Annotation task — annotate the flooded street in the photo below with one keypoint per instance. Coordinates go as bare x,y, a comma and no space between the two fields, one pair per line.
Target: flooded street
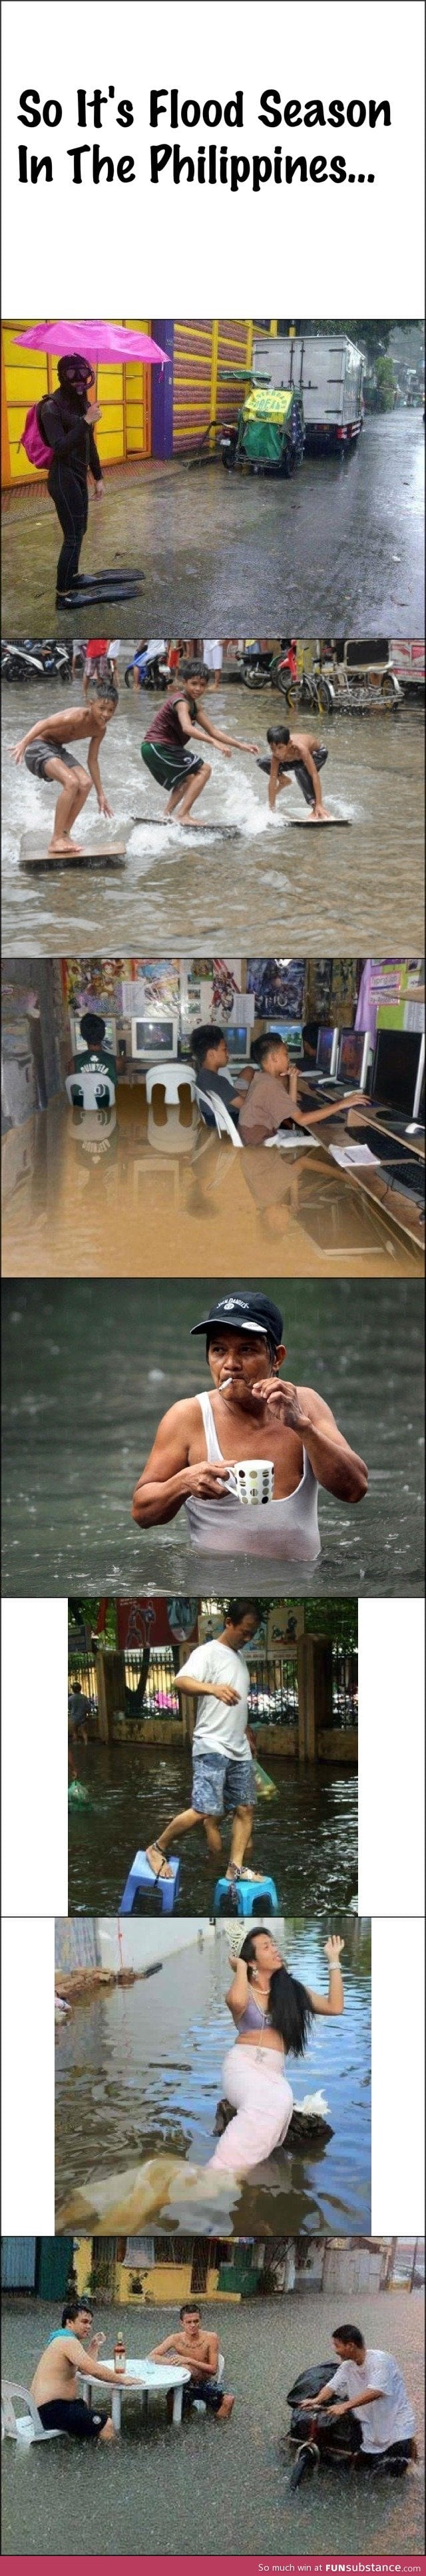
90,1367
50,2496
307,1839
139,2072
328,893
337,551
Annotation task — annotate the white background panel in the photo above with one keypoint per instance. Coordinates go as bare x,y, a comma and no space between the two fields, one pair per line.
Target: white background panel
357,248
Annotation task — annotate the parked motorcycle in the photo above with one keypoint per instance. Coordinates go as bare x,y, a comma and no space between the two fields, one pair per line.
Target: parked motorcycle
153,674
262,670
42,659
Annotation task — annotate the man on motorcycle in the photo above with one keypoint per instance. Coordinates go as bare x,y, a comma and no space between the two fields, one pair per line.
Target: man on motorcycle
302,753
372,2382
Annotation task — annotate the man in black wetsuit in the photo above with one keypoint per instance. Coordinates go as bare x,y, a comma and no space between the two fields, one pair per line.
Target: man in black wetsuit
67,419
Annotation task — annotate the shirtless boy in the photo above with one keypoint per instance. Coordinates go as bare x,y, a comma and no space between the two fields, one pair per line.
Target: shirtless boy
255,1415
46,752
302,753
165,748
200,2352
71,2353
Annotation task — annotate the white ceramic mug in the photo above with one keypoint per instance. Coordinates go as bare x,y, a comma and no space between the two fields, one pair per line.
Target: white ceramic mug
253,1480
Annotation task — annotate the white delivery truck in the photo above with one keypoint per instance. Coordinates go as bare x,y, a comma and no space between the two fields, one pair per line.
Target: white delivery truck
327,372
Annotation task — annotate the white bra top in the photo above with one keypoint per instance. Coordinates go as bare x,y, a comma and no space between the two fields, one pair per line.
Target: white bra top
287,1528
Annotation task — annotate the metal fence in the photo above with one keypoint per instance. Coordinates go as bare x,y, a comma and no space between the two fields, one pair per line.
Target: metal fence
344,1687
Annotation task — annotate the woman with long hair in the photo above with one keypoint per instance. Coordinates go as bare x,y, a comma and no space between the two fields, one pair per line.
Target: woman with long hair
273,2013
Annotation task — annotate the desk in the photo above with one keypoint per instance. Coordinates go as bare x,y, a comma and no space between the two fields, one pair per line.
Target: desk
144,2375
400,1210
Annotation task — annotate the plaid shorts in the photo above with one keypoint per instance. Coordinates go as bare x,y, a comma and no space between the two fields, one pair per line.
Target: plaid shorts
220,1784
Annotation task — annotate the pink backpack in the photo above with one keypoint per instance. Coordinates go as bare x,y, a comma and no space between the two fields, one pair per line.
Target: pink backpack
31,439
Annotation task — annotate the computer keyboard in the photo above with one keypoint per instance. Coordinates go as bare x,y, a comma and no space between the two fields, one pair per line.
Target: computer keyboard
386,1147
408,1175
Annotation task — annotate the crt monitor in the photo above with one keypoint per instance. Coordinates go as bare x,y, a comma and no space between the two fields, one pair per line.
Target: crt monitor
327,1045
353,1057
154,1038
291,1033
110,1039
238,1044
397,1065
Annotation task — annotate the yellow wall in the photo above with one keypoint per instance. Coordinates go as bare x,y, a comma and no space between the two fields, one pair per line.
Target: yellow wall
162,2284
125,394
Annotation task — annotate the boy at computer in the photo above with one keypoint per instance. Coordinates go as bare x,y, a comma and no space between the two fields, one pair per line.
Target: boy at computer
273,1097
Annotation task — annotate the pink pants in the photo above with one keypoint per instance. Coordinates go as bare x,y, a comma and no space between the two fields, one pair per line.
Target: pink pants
253,2079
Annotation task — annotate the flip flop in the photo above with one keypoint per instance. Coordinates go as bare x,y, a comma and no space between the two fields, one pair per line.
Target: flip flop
158,1873
251,1875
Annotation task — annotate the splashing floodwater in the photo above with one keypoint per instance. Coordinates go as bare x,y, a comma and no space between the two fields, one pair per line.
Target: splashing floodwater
324,893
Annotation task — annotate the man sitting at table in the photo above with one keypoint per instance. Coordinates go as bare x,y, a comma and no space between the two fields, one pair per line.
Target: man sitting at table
200,2353
72,2353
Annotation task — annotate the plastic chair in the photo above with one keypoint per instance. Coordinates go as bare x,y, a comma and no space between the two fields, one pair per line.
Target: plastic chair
172,1138
172,1077
199,2403
209,1100
23,2428
86,1090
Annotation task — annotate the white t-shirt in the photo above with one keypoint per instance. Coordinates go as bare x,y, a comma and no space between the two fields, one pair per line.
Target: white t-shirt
114,649
392,2419
219,1728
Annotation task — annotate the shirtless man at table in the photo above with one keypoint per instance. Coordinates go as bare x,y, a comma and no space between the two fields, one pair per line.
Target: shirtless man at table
72,2353
200,2353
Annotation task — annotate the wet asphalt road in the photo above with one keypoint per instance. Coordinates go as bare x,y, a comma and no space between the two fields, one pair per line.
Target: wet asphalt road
337,551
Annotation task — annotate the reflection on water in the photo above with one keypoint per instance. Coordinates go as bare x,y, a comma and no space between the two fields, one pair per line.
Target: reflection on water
136,1192
335,893
89,1367
266,2341
306,1839
138,2071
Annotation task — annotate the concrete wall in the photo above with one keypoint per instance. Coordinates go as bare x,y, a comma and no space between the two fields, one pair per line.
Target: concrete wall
124,1943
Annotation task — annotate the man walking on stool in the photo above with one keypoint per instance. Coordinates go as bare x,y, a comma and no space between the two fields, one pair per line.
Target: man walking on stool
223,1777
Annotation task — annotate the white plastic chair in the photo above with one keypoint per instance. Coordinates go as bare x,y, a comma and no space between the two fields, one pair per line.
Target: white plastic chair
173,1138
23,2428
97,1088
173,1077
199,2403
222,1117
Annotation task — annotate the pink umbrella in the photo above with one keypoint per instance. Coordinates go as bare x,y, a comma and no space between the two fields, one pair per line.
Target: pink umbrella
97,341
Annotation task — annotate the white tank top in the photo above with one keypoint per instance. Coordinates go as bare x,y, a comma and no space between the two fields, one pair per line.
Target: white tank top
287,1528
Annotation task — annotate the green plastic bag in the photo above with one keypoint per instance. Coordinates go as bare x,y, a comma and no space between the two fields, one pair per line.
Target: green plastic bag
267,1787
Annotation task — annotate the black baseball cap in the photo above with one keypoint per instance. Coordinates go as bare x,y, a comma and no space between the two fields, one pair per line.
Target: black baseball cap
251,1314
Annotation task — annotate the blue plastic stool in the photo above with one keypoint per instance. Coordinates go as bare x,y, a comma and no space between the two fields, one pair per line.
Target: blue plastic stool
245,1896
144,1893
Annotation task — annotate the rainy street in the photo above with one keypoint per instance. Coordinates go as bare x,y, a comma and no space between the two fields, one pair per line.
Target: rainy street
337,551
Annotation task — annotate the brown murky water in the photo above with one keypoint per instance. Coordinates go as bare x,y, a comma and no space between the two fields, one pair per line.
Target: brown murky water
138,1193
316,892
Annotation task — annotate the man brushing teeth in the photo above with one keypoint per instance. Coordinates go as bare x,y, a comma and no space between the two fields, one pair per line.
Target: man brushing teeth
252,1414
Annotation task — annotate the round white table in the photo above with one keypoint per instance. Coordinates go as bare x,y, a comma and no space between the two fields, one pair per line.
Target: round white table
144,2375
